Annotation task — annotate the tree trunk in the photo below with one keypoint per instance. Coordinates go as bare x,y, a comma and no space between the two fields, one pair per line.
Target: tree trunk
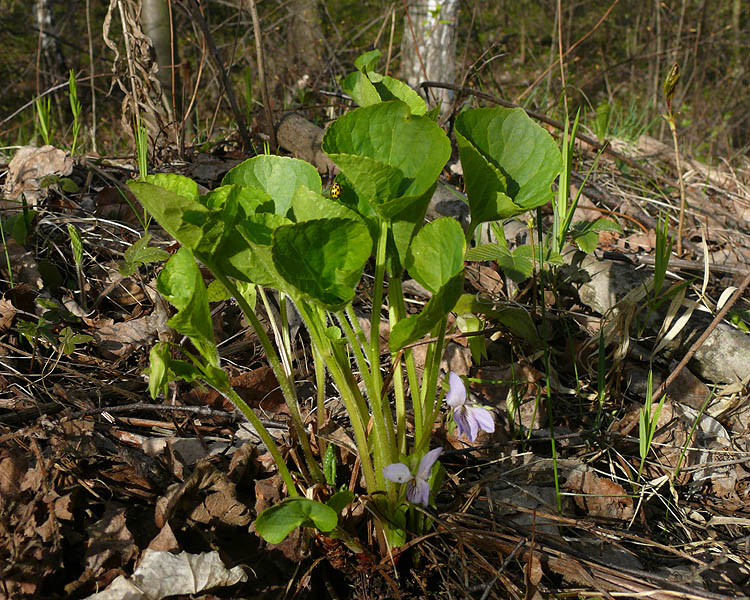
305,37
156,25
430,35
49,53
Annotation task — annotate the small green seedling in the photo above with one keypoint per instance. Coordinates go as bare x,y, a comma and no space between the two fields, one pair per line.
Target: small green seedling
647,422
75,109
44,118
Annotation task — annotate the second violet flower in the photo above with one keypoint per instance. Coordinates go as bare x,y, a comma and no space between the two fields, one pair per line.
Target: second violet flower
469,417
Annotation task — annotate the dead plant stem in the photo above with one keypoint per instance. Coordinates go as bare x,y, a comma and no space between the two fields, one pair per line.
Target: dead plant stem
91,81
673,129
195,12
573,47
262,74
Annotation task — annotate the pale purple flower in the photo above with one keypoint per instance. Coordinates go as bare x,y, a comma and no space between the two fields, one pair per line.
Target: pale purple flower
469,417
417,488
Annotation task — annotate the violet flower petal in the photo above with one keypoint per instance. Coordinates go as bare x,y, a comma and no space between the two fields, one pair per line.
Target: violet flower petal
427,462
397,472
472,423
460,416
418,492
484,418
456,395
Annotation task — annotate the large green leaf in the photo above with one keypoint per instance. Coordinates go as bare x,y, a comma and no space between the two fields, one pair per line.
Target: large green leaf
416,326
250,199
392,160
308,206
181,216
367,87
277,522
278,176
509,162
181,283
179,184
437,253
323,259
392,89
388,133
249,257
360,88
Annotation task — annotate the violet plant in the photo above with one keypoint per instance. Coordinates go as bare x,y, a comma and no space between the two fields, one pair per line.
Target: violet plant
269,226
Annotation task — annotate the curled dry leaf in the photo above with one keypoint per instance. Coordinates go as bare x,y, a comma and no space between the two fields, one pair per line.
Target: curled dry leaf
120,340
110,543
28,167
162,574
207,496
599,496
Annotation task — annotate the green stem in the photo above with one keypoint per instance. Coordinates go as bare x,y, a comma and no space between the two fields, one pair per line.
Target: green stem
377,303
398,308
265,437
320,383
285,382
383,442
353,400
429,382
548,388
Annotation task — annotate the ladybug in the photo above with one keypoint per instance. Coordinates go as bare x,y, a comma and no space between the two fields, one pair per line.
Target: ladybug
335,190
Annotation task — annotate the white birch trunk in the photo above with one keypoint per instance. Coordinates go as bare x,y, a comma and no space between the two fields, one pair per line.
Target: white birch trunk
434,24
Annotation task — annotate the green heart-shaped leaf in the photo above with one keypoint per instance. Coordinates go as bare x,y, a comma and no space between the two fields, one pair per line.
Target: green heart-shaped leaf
436,253
170,209
181,283
278,176
523,157
179,184
322,259
308,206
277,522
250,199
367,87
392,159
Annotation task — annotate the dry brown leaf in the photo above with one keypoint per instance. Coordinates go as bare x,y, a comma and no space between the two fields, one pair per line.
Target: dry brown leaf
7,313
534,570
117,204
64,507
110,543
258,388
207,496
23,263
490,281
28,167
13,465
165,541
599,496
163,574
638,242
223,507
120,340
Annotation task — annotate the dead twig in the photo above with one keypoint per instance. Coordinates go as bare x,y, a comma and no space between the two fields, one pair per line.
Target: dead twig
262,75
194,10
703,337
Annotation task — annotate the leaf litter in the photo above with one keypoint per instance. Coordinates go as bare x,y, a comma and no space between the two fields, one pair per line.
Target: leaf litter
160,502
